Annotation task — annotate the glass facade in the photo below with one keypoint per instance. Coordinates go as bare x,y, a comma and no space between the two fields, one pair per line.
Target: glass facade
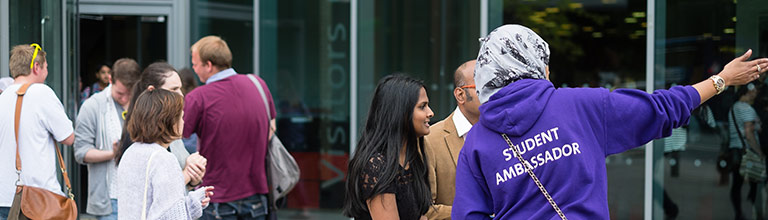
695,158
39,22
305,51
230,20
425,39
304,57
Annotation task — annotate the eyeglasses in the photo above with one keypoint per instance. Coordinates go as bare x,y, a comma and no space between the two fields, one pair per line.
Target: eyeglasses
37,48
467,86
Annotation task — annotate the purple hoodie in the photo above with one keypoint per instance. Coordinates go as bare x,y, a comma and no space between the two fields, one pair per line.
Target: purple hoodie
565,135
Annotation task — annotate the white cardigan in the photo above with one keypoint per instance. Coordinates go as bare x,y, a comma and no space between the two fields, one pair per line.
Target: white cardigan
166,197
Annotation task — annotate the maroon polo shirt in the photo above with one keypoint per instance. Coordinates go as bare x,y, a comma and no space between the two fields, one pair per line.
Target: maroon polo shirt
231,123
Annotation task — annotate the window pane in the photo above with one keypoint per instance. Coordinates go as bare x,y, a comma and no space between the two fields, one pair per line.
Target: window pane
230,20
304,57
424,39
695,39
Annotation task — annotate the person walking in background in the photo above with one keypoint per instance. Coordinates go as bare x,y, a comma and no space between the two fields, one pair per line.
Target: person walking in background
538,152
151,183
162,75
446,138
230,118
744,124
388,174
188,83
98,128
103,79
42,122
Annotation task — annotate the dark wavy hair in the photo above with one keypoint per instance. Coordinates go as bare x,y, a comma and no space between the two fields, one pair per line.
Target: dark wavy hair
154,75
389,126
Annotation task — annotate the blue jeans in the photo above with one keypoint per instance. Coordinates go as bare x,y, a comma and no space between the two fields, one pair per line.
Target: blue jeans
112,216
4,212
252,208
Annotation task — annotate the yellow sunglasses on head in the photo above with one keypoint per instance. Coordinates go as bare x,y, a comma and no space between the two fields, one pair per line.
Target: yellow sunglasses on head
37,48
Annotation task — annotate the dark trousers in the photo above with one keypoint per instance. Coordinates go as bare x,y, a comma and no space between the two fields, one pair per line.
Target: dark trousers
251,208
738,180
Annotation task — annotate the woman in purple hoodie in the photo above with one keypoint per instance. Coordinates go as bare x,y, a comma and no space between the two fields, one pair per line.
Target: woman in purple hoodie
539,152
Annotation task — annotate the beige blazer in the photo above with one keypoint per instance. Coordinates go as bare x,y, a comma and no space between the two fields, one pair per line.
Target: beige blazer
442,146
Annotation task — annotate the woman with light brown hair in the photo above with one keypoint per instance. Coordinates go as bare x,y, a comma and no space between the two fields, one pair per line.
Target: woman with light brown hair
151,182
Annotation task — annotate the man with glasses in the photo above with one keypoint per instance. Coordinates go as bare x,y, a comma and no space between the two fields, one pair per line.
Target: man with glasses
446,138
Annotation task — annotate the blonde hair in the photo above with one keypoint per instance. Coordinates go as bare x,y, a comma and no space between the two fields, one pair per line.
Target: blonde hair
21,57
214,49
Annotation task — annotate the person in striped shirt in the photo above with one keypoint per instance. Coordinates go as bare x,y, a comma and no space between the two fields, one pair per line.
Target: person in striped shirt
745,117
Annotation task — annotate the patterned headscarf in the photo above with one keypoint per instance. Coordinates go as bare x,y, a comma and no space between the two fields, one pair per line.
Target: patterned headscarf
508,54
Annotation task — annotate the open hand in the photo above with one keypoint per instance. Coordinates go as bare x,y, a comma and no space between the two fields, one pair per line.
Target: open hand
740,71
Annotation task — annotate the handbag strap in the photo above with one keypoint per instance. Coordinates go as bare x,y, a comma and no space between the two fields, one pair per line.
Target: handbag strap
146,187
16,120
263,96
738,130
267,159
533,176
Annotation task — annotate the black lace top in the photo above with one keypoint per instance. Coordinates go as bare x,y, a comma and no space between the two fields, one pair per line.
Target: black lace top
402,187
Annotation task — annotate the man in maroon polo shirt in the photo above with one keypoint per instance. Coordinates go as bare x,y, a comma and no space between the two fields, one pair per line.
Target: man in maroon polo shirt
229,117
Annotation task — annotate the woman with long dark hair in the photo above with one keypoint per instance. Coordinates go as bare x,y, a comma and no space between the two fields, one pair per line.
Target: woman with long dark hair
387,174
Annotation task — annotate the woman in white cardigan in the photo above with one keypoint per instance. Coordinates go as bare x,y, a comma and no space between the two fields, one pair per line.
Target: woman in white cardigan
150,182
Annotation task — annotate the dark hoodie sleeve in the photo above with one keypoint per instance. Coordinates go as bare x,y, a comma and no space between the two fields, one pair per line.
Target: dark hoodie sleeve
472,200
634,117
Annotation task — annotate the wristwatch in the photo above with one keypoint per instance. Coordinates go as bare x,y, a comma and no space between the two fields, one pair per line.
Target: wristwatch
719,83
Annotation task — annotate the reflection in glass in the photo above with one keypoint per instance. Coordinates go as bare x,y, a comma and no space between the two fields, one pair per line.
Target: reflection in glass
694,41
304,57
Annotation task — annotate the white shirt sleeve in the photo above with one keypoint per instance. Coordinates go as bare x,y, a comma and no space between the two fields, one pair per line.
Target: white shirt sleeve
52,115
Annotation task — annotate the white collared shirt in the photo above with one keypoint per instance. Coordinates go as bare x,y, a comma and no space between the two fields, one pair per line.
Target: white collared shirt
461,122
221,75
